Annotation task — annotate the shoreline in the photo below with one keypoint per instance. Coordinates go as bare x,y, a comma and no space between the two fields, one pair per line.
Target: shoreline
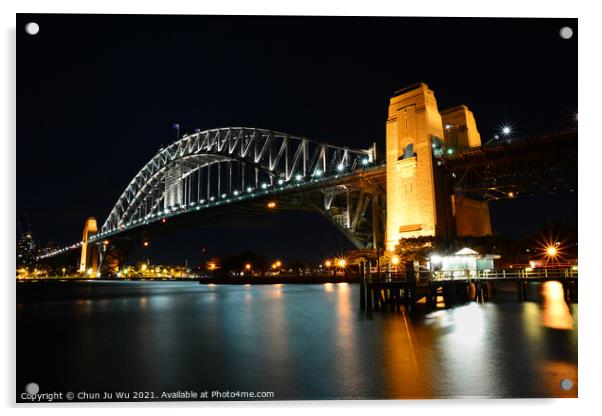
207,281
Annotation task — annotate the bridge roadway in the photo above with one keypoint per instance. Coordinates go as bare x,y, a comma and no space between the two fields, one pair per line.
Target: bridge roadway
392,290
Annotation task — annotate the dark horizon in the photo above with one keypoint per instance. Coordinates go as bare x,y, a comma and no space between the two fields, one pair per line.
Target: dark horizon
97,96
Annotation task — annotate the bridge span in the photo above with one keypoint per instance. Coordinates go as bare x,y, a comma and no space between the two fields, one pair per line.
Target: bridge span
436,179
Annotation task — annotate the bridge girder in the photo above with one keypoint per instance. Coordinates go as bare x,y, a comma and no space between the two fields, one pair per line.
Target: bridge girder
212,164
526,167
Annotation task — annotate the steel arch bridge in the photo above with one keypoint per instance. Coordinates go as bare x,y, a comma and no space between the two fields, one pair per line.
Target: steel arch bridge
216,174
232,173
222,164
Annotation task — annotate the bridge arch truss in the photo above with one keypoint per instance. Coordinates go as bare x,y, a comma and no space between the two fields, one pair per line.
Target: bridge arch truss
223,163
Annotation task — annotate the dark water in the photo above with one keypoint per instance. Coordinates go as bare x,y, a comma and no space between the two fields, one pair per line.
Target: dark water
298,341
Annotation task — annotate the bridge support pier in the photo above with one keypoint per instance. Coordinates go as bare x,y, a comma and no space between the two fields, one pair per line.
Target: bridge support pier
113,256
570,291
431,296
88,264
483,291
363,286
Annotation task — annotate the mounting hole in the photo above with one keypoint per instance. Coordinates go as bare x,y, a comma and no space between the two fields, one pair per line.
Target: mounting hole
32,28
32,388
566,32
566,384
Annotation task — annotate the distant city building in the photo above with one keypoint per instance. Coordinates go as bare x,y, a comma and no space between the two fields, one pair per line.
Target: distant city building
46,248
26,246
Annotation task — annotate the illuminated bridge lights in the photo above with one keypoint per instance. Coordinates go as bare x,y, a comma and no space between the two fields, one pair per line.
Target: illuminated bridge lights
161,216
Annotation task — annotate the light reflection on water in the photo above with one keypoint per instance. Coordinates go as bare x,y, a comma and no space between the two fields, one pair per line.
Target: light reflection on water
555,312
300,341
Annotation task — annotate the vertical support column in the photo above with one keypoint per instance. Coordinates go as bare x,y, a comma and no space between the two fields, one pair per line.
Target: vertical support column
375,221
413,127
198,193
229,177
174,196
219,180
363,285
242,177
88,256
208,181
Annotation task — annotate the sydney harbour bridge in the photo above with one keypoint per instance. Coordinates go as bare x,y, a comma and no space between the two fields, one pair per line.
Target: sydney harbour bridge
436,179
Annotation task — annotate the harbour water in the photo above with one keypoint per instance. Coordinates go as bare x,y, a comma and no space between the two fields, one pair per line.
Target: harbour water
296,341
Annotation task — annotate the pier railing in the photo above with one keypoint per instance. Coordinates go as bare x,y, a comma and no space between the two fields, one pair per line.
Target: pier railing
493,274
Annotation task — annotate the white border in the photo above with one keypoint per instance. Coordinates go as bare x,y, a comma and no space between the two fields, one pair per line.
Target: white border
590,71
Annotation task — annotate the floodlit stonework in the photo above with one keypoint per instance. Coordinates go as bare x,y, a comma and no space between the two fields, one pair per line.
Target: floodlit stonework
88,258
472,217
413,125
460,128
419,202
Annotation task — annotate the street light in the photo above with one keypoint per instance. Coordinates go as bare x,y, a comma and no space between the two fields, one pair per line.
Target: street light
506,130
248,266
551,251
395,260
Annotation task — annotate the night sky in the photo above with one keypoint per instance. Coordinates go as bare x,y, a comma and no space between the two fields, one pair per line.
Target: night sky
97,96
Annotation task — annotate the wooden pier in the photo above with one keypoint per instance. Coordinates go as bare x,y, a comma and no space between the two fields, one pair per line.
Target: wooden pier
388,290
